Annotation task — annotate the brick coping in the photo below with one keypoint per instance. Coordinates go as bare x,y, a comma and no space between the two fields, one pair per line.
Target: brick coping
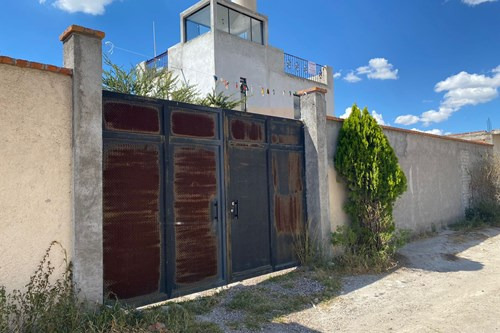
81,30
35,65
402,130
311,90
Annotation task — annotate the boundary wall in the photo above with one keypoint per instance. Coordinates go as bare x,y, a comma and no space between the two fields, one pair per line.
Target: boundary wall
35,167
437,171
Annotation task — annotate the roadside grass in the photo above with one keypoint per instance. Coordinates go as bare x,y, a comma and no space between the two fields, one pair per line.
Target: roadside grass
203,305
265,303
50,304
473,224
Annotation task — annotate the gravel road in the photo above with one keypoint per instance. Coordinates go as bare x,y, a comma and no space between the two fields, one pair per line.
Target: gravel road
447,283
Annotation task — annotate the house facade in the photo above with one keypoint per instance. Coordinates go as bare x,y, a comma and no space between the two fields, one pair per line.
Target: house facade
224,45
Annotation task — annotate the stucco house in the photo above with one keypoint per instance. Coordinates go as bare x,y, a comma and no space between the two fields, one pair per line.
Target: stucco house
224,45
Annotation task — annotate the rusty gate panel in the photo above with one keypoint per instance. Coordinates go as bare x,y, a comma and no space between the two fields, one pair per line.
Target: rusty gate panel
124,116
194,124
252,130
131,229
249,219
284,133
195,213
288,213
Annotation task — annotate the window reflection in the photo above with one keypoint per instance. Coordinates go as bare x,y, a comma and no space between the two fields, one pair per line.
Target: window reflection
222,18
257,31
198,23
238,24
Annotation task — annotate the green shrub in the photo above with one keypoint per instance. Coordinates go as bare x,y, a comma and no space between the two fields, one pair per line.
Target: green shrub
160,83
369,167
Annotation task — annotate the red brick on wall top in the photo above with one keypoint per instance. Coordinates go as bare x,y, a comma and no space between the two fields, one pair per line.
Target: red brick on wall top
80,30
35,65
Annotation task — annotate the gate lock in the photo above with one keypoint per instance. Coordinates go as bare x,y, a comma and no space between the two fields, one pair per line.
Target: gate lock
234,209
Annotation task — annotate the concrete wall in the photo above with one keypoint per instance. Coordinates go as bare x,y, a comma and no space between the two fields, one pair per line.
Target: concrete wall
436,170
492,137
263,67
35,169
193,62
496,142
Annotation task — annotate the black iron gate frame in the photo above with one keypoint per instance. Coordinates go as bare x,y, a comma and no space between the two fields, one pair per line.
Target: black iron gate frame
165,140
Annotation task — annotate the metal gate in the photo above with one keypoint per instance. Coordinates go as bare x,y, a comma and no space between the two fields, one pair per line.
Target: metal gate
196,197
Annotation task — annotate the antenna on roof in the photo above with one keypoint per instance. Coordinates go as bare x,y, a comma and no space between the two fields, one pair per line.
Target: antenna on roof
488,125
154,39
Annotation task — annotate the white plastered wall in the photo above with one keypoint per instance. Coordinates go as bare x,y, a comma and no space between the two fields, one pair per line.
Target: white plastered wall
35,170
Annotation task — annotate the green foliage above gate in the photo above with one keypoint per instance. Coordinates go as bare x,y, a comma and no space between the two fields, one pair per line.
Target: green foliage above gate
160,83
370,169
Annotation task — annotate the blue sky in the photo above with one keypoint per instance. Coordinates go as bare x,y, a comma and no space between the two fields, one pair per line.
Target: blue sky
432,65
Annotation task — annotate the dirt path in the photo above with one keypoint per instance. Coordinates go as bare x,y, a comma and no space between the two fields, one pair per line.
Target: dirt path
448,283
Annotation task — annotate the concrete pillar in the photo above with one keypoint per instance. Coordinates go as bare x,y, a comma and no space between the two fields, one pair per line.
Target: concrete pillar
83,54
312,112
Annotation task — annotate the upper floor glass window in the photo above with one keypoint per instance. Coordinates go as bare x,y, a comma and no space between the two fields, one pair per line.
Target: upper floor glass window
257,31
222,18
239,24
197,23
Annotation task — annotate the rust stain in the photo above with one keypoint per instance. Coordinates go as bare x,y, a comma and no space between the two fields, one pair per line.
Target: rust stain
193,124
195,187
247,130
131,228
133,118
288,191
285,134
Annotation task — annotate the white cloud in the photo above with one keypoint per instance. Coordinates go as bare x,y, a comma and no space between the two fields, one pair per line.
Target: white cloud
347,113
460,90
377,116
407,119
352,78
93,7
378,69
476,2
433,116
432,131
337,75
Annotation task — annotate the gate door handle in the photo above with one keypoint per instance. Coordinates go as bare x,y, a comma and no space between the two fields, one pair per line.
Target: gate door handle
234,209
216,210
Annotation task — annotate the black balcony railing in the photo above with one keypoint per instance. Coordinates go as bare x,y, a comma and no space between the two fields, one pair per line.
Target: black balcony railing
305,69
159,61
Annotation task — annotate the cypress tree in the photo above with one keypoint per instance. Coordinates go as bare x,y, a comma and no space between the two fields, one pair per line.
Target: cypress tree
368,165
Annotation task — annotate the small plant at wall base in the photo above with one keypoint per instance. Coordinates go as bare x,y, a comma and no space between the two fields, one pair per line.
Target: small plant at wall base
369,167
484,205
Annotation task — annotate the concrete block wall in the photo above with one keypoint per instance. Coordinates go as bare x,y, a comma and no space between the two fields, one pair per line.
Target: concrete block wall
436,168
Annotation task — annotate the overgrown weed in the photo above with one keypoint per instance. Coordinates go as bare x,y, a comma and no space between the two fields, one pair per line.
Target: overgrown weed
484,204
357,259
51,304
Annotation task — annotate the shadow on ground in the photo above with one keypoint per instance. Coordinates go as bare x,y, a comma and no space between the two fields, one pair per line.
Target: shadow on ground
441,253
444,253
264,305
